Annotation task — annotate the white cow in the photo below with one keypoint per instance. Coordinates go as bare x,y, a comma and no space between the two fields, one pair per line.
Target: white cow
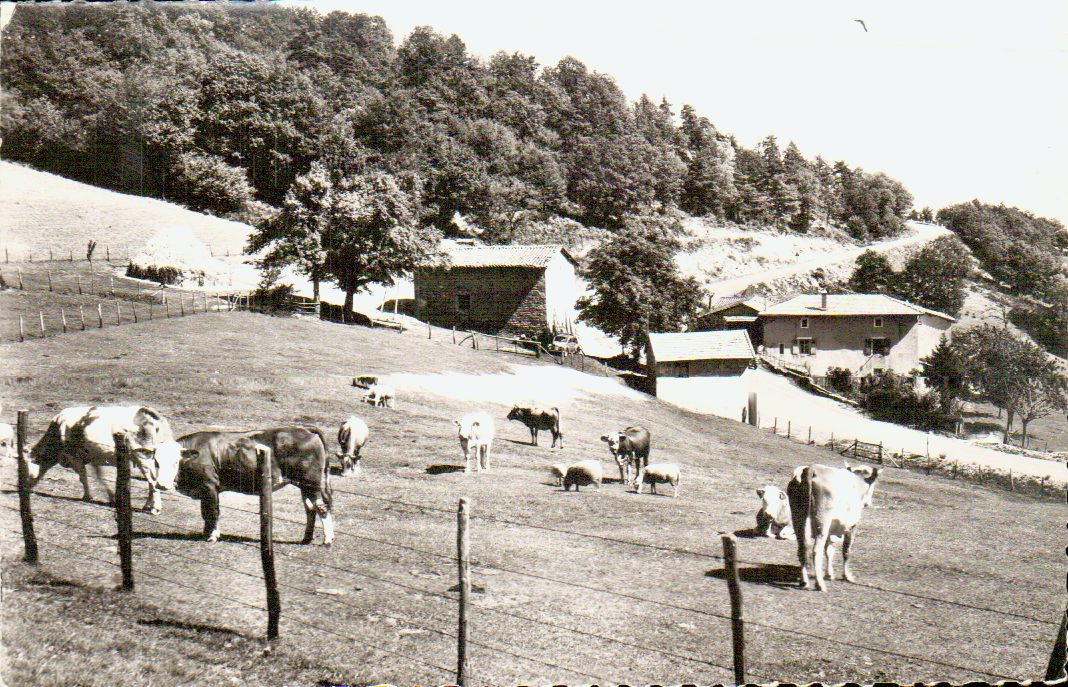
826,504
380,395
351,437
658,473
773,518
475,431
82,436
7,439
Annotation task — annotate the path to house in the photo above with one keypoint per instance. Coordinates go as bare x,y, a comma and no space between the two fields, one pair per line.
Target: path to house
778,397
919,234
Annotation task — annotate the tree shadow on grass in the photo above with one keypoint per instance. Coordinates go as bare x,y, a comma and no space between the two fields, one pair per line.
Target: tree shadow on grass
443,469
183,625
772,574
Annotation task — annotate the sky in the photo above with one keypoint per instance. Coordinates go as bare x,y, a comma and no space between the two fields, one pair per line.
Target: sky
957,99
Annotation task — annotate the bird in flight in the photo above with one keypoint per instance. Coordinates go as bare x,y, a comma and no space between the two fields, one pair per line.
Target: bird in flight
861,22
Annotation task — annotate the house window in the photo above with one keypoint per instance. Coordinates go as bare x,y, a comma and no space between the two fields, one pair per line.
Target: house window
804,347
878,322
876,346
463,301
782,349
804,323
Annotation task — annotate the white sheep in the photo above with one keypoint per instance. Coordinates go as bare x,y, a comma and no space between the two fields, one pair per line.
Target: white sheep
351,437
559,470
658,473
380,395
475,431
583,473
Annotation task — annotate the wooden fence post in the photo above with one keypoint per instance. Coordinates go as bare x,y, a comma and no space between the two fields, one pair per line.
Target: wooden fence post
752,408
789,428
181,304
810,435
832,441
167,306
123,514
79,285
21,287
107,251
7,258
81,316
1012,482
429,331
453,329
29,537
462,553
112,284
775,425
48,273
730,566
40,315
880,453
63,319
135,313
50,255
266,488
118,313
72,255
100,315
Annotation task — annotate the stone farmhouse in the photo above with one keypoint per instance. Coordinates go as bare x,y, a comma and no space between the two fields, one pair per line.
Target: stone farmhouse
701,354
518,289
863,333
733,312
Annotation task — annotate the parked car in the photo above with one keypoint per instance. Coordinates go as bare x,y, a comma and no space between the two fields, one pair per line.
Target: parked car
565,343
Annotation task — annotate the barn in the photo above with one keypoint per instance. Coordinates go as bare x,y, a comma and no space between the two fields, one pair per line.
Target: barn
702,354
513,289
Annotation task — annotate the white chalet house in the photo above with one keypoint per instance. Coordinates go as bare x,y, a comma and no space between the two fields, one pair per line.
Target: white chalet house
863,333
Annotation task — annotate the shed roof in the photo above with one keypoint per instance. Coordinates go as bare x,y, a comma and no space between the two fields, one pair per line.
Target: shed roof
846,304
506,256
732,344
730,301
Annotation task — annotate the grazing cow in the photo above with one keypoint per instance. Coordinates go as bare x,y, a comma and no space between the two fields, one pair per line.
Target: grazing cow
559,470
226,461
773,518
658,473
380,395
351,438
583,473
826,503
629,448
7,439
537,419
475,431
83,436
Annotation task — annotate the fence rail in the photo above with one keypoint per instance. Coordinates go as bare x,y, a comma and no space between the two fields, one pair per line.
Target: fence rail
532,349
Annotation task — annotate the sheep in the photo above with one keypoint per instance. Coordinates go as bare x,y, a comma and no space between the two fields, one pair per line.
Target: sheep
773,518
380,395
351,437
658,473
475,431
584,472
7,438
559,470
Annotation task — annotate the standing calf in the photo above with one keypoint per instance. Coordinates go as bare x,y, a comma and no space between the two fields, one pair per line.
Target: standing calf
537,419
380,395
351,437
826,503
475,431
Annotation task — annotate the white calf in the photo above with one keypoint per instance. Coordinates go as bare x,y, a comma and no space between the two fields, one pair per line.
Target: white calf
351,437
380,395
475,431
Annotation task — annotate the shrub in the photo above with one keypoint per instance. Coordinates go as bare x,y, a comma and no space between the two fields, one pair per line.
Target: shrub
160,275
893,398
840,379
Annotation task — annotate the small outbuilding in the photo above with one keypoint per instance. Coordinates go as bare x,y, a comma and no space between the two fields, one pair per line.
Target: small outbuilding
701,354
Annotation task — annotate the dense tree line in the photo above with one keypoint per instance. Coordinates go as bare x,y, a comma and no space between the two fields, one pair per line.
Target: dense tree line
934,277
223,108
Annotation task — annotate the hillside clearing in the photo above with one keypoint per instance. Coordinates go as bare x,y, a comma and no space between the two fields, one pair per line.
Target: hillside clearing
554,562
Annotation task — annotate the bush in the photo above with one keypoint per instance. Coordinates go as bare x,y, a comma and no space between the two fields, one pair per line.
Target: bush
160,275
273,298
840,379
893,398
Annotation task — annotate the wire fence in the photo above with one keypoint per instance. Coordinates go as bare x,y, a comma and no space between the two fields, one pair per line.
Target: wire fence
532,349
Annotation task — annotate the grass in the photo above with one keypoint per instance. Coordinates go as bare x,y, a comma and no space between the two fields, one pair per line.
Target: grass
930,550
42,211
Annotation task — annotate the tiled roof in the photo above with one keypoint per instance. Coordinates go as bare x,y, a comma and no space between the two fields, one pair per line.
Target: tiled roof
756,303
505,256
733,344
839,304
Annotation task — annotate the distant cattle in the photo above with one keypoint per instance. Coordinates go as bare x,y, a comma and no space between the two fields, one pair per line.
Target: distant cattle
774,519
82,437
380,395
226,461
7,439
365,381
826,504
536,419
583,473
630,449
475,431
658,473
351,437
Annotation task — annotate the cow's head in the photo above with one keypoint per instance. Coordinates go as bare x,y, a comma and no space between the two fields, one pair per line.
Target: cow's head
160,467
870,475
515,413
350,464
613,440
773,501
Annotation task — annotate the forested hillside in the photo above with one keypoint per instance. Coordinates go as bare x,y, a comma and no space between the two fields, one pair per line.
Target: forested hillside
221,108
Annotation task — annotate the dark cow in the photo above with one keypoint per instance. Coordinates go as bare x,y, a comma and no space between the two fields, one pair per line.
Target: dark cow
226,461
537,419
630,448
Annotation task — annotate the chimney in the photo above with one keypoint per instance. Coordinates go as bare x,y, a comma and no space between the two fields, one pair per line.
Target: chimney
823,300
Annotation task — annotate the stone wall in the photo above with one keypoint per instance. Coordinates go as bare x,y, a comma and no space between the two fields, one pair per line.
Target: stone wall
507,300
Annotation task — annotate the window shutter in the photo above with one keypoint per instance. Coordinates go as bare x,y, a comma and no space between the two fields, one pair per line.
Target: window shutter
867,347
793,347
812,346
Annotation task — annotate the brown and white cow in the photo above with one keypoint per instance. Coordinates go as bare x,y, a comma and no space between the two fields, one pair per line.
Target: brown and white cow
537,418
826,504
226,461
630,449
82,437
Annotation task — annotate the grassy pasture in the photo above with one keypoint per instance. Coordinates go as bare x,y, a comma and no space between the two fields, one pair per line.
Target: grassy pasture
595,586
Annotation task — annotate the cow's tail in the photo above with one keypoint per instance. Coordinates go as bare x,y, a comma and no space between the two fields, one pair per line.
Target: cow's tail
808,524
328,492
319,433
